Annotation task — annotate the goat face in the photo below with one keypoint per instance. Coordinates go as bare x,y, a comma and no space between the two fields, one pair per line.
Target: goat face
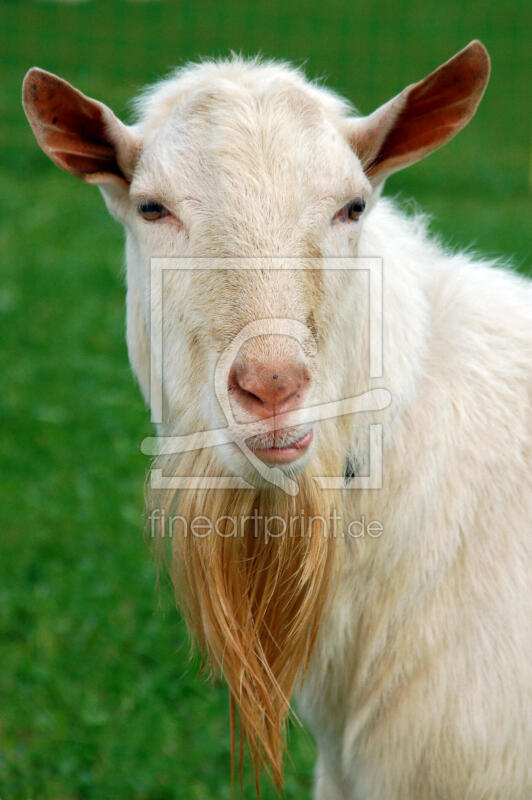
228,187
250,165
253,166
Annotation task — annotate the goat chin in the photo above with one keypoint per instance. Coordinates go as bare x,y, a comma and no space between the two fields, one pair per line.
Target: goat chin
255,588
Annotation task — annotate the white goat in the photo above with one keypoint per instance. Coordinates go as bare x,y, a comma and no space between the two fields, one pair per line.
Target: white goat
414,647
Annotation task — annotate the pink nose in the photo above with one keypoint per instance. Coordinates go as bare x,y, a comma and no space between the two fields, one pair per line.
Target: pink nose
266,389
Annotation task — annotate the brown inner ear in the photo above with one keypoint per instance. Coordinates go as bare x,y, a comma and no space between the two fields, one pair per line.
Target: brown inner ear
426,114
72,129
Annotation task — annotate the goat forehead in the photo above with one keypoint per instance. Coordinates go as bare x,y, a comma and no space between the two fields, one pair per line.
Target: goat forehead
262,147
277,130
234,107
245,143
234,76
261,132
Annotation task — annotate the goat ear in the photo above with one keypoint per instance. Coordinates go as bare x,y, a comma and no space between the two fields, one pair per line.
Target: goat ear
79,134
423,117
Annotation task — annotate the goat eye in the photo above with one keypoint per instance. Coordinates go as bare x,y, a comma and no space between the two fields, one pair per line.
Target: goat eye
351,211
355,208
150,210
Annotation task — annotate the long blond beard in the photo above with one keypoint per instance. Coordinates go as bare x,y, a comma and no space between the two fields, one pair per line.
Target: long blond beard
252,594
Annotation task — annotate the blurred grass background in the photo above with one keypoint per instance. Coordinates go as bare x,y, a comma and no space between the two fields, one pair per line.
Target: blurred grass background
98,697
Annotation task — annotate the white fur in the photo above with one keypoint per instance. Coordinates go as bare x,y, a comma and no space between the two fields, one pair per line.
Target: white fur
420,684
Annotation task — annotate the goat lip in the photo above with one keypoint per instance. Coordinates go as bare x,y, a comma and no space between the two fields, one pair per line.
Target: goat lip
288,453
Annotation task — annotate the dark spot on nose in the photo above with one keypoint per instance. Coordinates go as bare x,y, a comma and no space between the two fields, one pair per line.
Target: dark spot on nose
275,377
54,120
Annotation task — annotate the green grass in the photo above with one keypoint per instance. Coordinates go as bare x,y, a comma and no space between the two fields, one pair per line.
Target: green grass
98,696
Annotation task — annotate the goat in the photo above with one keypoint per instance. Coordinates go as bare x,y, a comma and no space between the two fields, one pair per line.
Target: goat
408,651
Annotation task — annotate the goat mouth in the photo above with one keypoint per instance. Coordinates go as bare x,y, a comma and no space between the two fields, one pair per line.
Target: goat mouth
287,452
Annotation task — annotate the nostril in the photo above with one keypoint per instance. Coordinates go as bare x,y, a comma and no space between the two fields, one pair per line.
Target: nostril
237,381
252,397
289,398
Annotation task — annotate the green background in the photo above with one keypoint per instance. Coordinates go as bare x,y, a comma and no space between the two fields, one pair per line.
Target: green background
98,697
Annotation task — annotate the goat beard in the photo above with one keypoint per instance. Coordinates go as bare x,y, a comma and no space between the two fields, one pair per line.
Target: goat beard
254,590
